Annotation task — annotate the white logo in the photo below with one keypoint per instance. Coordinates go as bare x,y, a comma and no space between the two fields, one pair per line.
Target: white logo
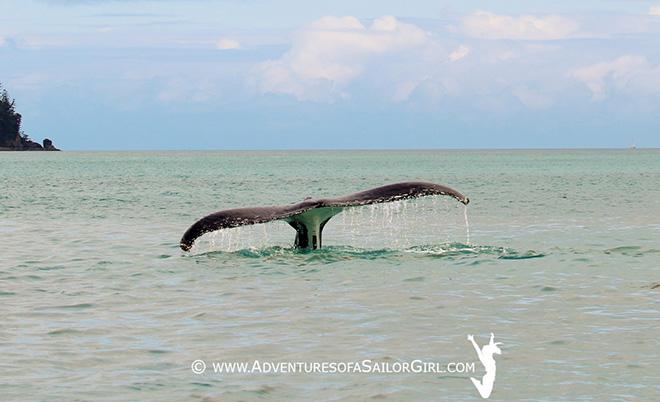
198,366
485,386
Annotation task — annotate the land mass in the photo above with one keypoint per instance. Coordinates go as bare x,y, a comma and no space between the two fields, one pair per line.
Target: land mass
12,138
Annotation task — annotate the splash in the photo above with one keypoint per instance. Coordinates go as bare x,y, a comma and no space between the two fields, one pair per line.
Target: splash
282,257
245,238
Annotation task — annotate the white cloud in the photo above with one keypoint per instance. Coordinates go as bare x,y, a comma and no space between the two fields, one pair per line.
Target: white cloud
403,90
654,10
459,53
331,52
227,44
486,25
630,73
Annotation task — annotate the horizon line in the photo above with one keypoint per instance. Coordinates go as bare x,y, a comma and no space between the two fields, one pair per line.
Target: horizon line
356,149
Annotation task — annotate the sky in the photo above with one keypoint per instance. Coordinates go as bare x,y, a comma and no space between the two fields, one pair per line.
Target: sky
301,74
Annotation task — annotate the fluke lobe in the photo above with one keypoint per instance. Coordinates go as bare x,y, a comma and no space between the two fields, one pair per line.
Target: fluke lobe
310,216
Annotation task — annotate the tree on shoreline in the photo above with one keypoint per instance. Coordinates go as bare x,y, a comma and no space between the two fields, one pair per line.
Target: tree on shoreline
10,120
11,135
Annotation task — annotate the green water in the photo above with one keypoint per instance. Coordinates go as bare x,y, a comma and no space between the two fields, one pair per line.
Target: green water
98,302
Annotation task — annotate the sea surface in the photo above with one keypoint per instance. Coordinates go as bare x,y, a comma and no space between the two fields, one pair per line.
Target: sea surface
97,301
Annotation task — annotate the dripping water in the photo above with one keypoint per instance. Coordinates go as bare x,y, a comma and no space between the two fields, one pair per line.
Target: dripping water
467,225
395,225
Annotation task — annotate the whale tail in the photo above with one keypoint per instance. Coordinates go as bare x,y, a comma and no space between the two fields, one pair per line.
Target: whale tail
309,217
309,226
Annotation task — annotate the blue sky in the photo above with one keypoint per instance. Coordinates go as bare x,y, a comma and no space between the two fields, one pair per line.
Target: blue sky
253,74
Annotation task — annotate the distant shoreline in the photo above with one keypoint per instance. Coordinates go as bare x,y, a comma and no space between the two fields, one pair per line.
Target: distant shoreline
27,150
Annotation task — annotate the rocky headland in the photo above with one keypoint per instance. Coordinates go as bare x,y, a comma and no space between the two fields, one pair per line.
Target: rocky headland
12,138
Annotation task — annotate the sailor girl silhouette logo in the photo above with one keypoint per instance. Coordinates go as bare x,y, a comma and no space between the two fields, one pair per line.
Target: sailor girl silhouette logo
485,386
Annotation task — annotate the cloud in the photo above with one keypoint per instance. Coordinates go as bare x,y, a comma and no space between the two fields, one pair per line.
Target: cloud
461,52
28,82
654,10
533,99
329,53
630,73
486,25
227,44
182,90
10,42
99,2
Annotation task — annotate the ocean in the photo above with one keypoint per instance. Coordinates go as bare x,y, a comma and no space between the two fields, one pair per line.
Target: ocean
556,255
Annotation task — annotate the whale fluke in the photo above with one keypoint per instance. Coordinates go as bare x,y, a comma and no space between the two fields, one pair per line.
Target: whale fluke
310,216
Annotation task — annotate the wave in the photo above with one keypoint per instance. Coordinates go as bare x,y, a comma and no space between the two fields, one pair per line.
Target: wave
332,254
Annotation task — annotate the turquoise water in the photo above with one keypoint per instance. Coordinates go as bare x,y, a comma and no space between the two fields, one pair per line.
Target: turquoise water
99,303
